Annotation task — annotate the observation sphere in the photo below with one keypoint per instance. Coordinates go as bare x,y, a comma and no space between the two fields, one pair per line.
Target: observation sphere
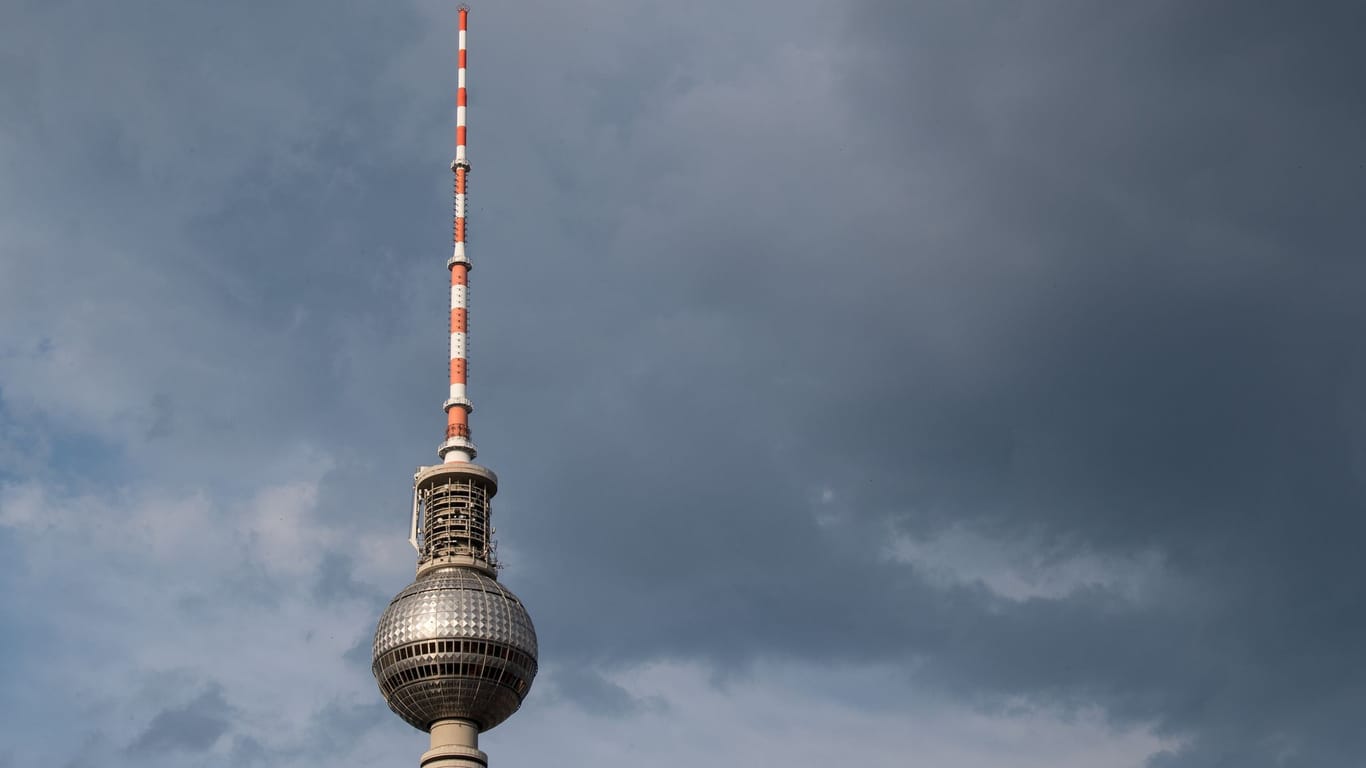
454,644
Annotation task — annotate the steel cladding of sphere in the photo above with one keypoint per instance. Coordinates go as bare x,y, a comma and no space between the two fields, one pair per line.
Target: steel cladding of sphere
455,644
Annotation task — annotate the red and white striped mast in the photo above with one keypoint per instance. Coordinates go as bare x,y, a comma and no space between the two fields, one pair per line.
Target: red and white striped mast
474,546
458,446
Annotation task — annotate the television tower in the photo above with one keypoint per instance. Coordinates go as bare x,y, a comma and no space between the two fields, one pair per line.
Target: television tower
455,651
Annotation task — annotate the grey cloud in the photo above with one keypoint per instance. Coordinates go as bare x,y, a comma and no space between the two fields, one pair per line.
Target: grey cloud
161,421
248,751
597,695
359,654
192,727
334,581
339,725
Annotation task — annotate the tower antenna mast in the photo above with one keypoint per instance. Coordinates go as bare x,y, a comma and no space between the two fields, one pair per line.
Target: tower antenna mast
458,446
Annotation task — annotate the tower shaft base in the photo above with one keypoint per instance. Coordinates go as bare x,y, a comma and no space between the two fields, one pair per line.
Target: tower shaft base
455,744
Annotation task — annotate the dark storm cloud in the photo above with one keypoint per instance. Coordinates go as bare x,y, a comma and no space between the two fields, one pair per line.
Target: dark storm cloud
1081,277
1189,380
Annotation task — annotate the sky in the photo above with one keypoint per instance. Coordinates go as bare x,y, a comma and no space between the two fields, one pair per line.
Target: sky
873,383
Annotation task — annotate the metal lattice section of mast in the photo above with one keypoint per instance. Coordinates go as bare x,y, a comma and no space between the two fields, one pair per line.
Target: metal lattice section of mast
453,503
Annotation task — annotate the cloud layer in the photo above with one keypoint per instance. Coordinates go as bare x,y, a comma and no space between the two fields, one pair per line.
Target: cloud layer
981,381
